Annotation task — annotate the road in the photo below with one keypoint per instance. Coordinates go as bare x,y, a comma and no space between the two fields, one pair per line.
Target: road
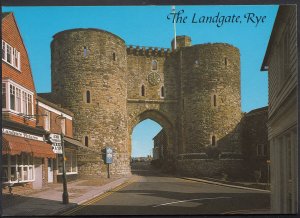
152,193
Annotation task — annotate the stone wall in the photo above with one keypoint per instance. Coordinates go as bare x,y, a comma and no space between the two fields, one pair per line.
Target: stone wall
94,61
210,168
209,71
192,92
255,144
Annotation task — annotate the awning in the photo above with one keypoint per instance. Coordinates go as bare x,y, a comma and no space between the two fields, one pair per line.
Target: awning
14,145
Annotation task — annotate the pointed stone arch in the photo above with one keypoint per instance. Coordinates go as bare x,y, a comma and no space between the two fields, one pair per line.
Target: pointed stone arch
163,120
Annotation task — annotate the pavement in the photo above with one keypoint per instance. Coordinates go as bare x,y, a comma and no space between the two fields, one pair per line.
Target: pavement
48,201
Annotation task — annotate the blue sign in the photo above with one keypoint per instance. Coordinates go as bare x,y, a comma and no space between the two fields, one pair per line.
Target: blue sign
108,155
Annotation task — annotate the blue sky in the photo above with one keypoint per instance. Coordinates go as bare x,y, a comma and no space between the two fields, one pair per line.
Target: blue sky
149,26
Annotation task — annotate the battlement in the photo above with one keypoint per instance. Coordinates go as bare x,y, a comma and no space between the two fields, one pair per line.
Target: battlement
147,51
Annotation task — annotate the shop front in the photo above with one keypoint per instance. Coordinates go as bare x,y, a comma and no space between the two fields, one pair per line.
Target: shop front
23,158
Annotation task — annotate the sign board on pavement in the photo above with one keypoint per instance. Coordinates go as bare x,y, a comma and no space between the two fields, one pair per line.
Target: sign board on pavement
57,148
108,155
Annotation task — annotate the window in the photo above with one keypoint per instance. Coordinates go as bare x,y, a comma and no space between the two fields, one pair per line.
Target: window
86,141
25,108
17,99
143,90
18,168
215,100
16,55
88,97
225,62
63,125
162,92
47,120
154,65
3,95
71,162
213,140
85,52
12,97
10,55
260,149
114,56
3,50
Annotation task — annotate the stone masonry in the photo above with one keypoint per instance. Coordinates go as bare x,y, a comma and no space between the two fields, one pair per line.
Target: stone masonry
193,92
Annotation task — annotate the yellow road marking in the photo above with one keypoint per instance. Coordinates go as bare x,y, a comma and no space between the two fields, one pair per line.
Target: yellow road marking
241,211
100,197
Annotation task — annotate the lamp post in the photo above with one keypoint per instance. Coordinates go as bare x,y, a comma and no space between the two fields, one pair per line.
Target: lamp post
65,195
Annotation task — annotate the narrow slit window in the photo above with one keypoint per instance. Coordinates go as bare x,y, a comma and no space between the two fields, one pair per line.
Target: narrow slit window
84,51
154,65
114,56
213,140
226,62
162,91
143,90
86,141
215,100
88,97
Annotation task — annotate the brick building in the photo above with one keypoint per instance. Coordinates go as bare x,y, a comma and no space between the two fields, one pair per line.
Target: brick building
281,62
57,120
24,150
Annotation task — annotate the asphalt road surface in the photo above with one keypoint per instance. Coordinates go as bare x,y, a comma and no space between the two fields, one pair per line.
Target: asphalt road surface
153,193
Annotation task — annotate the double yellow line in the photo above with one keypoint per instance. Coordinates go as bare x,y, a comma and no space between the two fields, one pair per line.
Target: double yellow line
98,198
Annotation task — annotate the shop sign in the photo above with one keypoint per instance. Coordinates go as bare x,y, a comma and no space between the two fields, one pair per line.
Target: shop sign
21,134
55,138
57,148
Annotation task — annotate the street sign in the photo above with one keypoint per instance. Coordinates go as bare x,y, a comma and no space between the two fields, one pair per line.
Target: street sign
108,155
55,138
57,148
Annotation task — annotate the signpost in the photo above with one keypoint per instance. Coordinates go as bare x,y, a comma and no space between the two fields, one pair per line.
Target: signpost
108,158
57,141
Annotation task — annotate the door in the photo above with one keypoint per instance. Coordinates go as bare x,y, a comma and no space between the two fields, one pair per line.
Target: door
50,170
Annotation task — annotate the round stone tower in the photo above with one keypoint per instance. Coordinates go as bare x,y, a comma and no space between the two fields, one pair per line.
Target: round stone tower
89,78
210,96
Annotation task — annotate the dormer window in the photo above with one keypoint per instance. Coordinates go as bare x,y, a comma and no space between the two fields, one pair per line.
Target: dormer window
154,65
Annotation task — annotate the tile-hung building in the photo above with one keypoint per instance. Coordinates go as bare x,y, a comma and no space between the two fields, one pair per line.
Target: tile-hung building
281,62
58,120
24,150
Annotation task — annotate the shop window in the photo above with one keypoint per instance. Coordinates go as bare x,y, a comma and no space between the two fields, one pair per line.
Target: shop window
18,168
71,162
154,65
143,90
86,141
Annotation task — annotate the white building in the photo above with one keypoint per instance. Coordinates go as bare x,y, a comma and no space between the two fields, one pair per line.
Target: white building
281,61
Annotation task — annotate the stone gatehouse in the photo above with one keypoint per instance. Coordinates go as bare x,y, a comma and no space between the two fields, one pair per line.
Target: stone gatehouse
192,91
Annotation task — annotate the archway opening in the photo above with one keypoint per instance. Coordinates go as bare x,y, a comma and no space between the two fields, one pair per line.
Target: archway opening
145,139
